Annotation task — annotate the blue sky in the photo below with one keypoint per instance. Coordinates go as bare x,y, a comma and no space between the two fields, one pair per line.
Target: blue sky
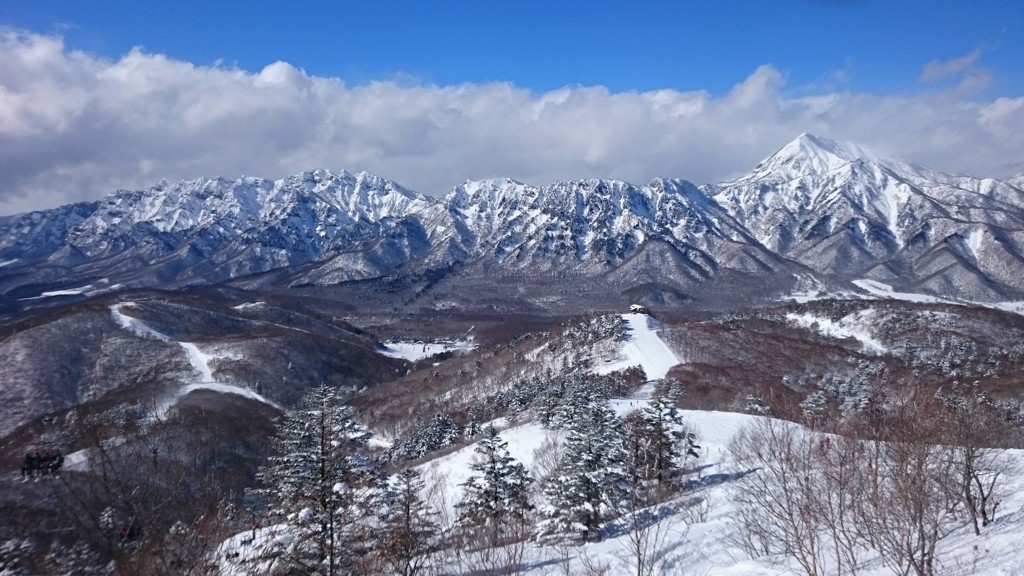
100,95
872,45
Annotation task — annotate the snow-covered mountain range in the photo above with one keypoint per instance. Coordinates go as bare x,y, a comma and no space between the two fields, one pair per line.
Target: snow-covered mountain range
816,207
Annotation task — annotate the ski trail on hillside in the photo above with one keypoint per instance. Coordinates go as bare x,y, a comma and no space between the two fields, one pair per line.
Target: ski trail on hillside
199,361
887,292
642,347
134,325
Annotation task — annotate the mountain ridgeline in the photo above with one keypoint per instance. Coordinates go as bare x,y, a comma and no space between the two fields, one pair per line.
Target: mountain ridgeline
816,209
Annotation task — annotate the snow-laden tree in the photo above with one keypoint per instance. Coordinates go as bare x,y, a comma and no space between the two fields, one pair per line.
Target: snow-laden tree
668,443
656,442
590,483
315,483
495,498
427,437
573,397
407,533
815,405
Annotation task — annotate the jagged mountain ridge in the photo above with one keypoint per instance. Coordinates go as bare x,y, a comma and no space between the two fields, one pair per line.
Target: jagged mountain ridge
840,210
589,226
207,230
816,205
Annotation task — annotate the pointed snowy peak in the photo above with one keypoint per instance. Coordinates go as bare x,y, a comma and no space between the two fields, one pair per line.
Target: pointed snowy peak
813,146
345,184
809,154
367,181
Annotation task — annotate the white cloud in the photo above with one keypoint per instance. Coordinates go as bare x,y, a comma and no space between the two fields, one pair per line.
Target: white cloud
940,69
972,75
74,126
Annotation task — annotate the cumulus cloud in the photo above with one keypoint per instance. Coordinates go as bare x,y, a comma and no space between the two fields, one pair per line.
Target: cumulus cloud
74,126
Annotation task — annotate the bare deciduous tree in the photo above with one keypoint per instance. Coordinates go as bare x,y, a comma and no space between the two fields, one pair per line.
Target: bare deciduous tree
777,504
895,485
145,503
975,432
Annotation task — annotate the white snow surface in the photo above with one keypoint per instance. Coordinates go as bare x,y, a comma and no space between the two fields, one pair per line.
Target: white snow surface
200,362
69,292
885,291
413,351
454,468
705,546
1015,307
809,291
134,325
642,347
857,325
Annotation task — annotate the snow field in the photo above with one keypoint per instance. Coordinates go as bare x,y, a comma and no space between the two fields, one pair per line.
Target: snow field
87,290
700,545
414,351
857,326
881,291
885,291
73,292
698,529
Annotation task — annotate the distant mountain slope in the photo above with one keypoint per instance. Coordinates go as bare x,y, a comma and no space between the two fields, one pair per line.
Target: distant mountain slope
203,231
815,207
840,210
156,349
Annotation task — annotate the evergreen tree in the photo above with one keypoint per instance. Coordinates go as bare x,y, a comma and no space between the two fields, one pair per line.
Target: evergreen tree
496,496
590,482
575,399
668,444
669,388
549,399
407,533
427,437
314,482
473,427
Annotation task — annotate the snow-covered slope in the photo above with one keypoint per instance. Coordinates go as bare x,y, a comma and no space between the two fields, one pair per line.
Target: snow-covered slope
697,532
700,528
642,347
35,234
839,209
815,206
205,230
